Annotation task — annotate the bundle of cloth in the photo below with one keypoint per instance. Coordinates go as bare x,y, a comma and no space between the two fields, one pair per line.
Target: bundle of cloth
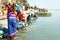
3,31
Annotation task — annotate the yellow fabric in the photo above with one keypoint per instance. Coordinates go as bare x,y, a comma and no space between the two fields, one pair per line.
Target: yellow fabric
3,10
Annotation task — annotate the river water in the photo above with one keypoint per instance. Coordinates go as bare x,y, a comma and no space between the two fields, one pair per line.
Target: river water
46,28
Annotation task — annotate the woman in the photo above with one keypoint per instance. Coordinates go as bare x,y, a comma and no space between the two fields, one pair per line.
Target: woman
21,18
18,10
11,23
28,19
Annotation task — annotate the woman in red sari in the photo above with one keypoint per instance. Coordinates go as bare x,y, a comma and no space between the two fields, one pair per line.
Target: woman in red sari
21,16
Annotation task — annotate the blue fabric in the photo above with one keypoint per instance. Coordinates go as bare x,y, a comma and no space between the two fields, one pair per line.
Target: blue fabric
12,26
20,25
18,8
10,14
1,32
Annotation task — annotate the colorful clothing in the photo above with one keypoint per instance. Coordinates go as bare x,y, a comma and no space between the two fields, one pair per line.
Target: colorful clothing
12,24
18,7
21,16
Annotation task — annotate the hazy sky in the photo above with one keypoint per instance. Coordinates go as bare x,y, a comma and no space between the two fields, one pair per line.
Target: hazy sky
50,4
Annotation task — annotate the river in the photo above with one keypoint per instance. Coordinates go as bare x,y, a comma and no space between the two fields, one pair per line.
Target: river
46,28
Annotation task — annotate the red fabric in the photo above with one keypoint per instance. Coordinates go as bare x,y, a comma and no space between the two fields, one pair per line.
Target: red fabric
18,13
15,14
21,16
5,36
14,35
9,8
26,8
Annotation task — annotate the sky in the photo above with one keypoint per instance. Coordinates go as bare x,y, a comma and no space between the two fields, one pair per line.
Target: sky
49,4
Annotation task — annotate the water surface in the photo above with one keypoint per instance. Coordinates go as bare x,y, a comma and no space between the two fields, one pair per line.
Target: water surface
47,28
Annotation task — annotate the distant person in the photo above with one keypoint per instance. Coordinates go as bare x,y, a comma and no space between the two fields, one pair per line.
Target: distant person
8,7
18,9
35,16
3,10
25,7
21,16
28,19
21,26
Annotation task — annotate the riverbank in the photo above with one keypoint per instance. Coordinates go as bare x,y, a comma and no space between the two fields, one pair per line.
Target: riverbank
39,14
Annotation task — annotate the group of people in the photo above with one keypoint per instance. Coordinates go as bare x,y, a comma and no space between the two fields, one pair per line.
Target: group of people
31,17
14,16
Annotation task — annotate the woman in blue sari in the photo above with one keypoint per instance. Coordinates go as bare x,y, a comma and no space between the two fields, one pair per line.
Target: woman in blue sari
11,23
